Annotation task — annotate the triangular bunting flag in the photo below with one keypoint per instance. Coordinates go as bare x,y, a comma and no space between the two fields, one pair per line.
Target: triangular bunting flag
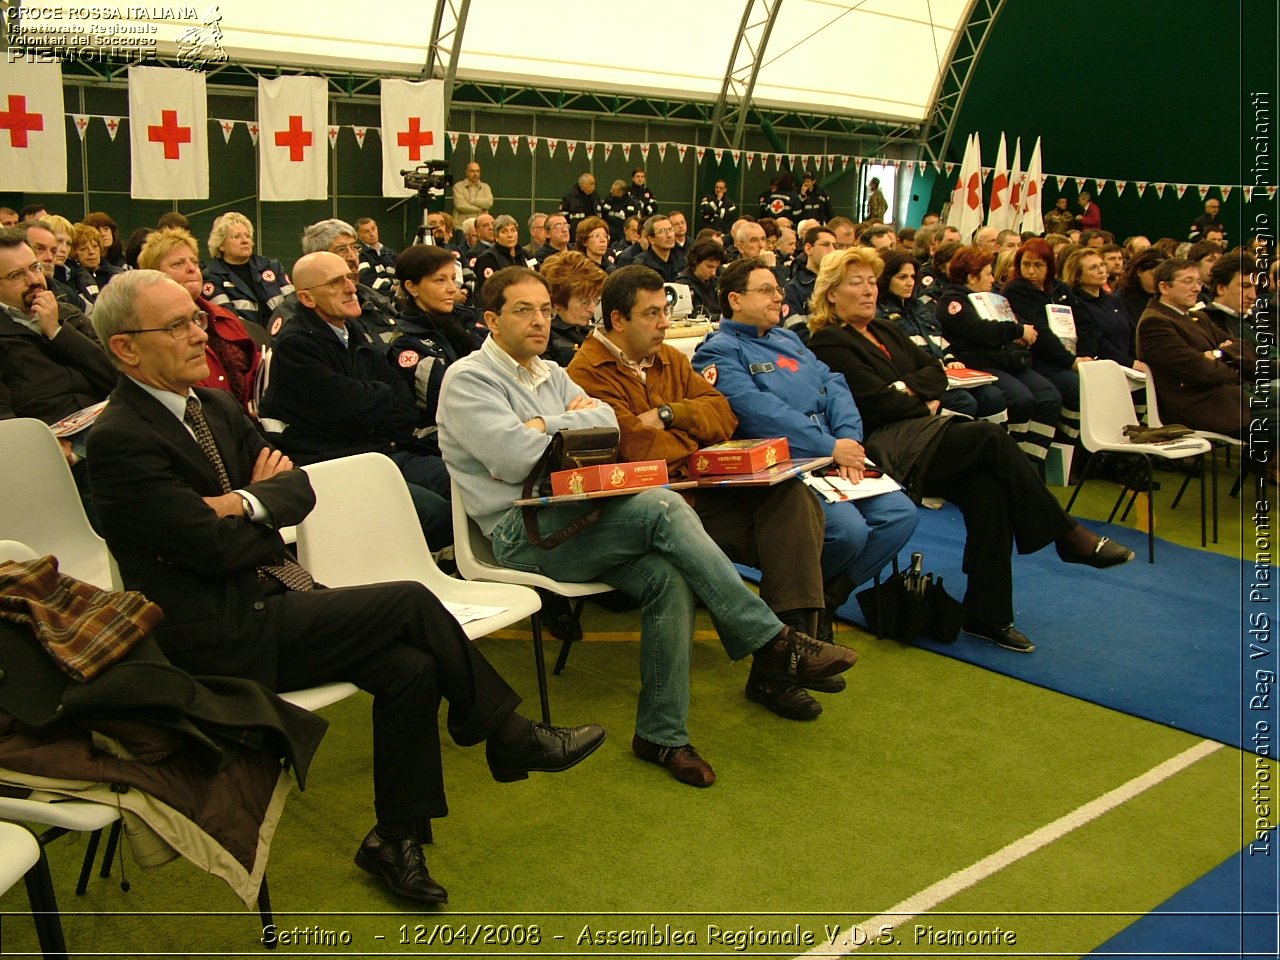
1062,182
737,158
1102,185
113,126
951,167
1271,191
532,143
682,149
702,152
591,151
1142,188
1204,190
1226,192
750,157
1181,189
552,143
474,140
719,155
82,123
920,165
1160,189
515,144
453,140
494,140
644,152
360,135
1120,185
1248,194
662,151
227,126
333,137
572,145
253,132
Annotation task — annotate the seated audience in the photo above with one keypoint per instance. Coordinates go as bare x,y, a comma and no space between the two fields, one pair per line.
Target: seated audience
971,463
1001,348
1102,323
616,209
649,545
699,275
92,271
1137,285
109,232
505,252
898,304
1234,294
377,260
592,241
777,388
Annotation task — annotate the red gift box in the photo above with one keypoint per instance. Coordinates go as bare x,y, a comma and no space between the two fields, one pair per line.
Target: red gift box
610,476
739,456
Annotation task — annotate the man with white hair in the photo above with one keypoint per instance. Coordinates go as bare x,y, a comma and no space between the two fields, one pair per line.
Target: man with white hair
581,202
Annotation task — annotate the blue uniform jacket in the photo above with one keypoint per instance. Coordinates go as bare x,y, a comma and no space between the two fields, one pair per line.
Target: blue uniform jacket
778,388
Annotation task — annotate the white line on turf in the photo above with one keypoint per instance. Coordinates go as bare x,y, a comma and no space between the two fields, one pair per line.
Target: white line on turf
947,887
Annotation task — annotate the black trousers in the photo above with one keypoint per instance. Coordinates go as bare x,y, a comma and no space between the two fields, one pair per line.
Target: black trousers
980,469
397,642
778,530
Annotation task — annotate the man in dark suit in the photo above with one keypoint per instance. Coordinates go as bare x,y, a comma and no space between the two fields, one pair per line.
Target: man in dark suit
191,499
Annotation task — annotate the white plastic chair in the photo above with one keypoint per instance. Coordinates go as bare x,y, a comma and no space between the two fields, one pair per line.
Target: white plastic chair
364,530
21,857
40,506
1106,408
1217,439
474,555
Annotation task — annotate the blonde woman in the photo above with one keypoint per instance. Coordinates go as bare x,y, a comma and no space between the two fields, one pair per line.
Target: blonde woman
249,285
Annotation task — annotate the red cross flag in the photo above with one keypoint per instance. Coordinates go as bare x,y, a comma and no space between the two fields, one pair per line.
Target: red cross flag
412,129
293,116
33,132
168,134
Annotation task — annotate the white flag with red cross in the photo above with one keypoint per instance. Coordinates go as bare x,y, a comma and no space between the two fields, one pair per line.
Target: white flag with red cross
33,133
168,134
412,129
293,118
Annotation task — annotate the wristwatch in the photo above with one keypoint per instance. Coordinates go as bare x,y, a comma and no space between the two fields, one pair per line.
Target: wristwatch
248,507
666,415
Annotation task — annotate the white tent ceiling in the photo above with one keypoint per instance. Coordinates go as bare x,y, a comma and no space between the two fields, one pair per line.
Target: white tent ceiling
868,58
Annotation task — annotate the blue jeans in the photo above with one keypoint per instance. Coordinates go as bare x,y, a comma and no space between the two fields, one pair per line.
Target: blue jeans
428,483
652,547
861,536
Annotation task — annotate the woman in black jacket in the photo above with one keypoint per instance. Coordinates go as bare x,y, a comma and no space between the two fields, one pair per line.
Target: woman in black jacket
973,464
1033,287
505,252
1102,322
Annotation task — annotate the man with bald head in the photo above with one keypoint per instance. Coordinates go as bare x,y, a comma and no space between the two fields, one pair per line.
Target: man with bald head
336,395
471,195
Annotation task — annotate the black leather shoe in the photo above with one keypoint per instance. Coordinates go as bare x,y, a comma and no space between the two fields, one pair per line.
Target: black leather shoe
1007,636
1105,553
401,866
782,696
542,748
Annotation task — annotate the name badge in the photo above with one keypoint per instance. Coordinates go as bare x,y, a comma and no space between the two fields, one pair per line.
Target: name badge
761,368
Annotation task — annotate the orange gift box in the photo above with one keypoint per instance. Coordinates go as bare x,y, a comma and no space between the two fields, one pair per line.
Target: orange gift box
739,456
609,476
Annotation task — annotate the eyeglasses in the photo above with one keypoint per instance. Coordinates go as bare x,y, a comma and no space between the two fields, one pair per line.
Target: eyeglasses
526,312
661,230
15,275
345,248
337,283
768,289
179,329
1188,281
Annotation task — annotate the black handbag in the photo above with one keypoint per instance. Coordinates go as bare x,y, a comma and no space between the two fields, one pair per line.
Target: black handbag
1013,358
912,604
568,449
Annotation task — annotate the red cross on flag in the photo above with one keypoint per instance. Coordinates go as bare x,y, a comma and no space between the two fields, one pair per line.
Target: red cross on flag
293,114
412,129
168,134
33,132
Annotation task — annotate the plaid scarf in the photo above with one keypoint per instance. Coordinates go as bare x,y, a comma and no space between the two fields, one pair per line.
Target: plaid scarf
83,628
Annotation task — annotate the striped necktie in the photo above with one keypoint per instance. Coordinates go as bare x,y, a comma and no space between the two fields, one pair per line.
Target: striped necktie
288,572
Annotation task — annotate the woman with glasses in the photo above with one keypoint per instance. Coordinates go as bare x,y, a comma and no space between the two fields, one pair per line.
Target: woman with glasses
592,241
575,283
249,285
971,463
231,352
778,388
1102,322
